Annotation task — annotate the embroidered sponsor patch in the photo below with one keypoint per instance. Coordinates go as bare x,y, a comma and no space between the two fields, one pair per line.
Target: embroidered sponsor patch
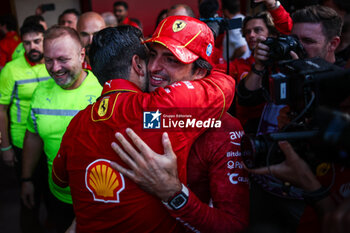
104,183
102,109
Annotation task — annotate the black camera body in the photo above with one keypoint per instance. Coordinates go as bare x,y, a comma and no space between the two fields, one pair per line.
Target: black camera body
281,47
314,89
219,25
300,81
323,140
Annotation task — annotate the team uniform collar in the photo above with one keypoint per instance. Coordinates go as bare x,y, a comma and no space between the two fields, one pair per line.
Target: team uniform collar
119,85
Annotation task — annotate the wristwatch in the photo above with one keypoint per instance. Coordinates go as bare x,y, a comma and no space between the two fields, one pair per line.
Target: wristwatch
177,201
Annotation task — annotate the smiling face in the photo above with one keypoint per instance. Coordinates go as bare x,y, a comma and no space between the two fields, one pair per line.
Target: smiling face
164,68
33,46
63,58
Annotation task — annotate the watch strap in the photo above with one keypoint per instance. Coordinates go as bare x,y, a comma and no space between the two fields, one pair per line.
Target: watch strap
261,73
184,193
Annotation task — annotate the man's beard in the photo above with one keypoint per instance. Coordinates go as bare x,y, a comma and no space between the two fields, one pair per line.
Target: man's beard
35,58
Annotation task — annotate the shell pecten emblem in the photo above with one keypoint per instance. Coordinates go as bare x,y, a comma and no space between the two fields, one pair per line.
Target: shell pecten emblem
104,183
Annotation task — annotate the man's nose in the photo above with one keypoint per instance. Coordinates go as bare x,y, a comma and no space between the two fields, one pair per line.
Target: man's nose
55,66
154,65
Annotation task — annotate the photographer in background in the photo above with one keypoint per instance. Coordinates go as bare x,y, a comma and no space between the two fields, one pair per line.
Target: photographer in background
318,29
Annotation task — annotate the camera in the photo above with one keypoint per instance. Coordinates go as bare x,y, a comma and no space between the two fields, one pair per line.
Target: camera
281,47
312,81
208,14
314,89
325,139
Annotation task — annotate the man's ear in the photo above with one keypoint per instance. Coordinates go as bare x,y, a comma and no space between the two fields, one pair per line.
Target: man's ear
82,55
138,65
200,73
333,44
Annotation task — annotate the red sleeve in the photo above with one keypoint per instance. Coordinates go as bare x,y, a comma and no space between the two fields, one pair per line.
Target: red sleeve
207,97
7,47
283,21
215,172
59,171
204,100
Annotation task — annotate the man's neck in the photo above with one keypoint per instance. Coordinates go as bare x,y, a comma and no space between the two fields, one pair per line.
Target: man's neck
331,58
124,19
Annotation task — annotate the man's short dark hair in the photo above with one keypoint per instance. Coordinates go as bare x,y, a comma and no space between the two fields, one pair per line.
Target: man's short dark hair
33,19
31,28
331,22
203,64
187,8
69,11
112,50
10,22
57,31
233,6
121,3
266,18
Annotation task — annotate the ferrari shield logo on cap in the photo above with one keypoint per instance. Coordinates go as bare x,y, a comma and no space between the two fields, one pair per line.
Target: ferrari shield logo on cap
102,109
179,25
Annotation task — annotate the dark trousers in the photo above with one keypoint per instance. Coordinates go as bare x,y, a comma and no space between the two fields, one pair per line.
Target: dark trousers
59,215
29,218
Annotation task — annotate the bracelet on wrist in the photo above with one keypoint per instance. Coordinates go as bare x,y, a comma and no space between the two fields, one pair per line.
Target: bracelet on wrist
26,179
315,196
261,73
6,148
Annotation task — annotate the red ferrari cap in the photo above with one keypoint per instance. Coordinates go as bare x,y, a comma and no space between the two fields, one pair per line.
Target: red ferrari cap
186,37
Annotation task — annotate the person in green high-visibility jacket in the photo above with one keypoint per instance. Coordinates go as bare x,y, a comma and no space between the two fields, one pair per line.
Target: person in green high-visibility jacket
53,105
33,19
18,80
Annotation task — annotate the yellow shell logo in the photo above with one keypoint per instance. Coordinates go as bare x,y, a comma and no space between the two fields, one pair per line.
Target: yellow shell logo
179,25
322,169
104,182
102,109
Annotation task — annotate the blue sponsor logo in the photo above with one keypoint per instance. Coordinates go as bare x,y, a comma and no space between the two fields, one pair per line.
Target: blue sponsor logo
151,120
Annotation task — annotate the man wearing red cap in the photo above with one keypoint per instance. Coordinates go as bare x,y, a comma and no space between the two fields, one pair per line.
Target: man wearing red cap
104,200
214,169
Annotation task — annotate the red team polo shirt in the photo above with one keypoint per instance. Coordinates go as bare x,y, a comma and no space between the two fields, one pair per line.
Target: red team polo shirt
103,199
128,21
215,174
